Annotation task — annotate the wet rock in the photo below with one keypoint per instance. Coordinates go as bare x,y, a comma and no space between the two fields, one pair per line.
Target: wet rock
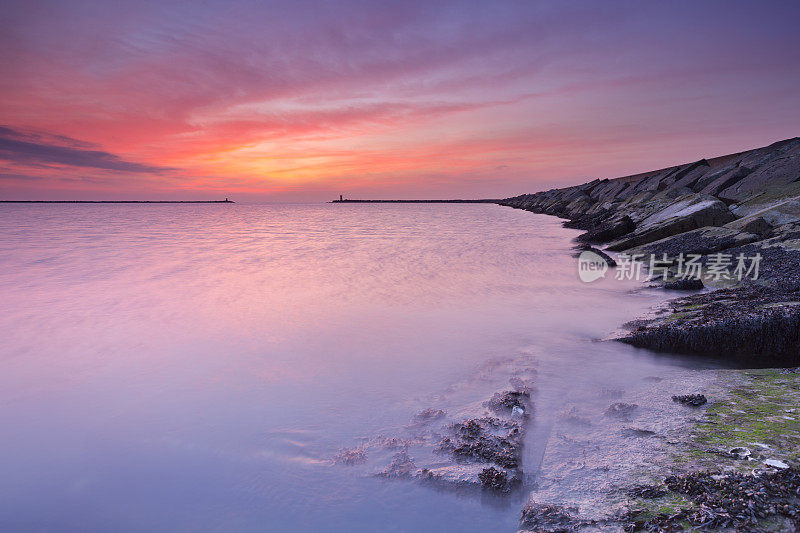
483,451
755,324
351,456
487,440
402,466
452,475
607,258
694,400
621,410
391,443
740,452
429,415
492,478
550,518
522,384
505,402
684,284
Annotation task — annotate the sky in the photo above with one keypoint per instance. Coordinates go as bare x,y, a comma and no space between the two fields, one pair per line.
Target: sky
302,101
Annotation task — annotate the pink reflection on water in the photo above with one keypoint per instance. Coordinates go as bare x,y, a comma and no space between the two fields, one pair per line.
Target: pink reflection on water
138,336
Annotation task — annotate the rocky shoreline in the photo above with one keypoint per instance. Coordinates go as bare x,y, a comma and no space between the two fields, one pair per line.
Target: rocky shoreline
734,465
741,205
728,464
474,447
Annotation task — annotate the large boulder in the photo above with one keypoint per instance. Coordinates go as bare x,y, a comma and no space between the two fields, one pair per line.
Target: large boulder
710,175
686,175
726,179
656,182
778,168
775,213
609,190
690,179
590,186
753,224
612,229
709,239
686,213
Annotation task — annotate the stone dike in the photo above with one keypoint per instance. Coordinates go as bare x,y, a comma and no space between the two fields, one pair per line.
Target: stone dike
743,204
734,465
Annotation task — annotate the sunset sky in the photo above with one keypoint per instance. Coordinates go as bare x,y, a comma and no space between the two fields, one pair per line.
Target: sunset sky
303,101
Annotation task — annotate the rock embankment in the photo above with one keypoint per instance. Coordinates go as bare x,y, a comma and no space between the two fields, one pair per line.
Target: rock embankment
743,204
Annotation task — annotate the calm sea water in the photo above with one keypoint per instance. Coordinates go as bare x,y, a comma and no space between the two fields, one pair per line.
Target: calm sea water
196,367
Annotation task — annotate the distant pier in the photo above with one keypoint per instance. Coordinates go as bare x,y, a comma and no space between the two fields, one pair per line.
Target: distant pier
480,201
225,201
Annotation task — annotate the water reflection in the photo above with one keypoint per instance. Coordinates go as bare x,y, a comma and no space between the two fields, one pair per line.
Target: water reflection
196,366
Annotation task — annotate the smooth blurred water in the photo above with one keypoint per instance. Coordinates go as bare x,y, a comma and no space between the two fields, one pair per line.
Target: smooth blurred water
195,367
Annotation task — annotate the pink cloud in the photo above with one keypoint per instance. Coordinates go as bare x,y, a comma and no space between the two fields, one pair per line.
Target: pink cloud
301,100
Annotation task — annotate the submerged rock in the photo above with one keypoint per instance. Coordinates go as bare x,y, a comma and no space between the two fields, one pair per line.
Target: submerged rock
521,384
351,456
505,402
453,475
429,414
577,418
481,451
621,410
402,466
